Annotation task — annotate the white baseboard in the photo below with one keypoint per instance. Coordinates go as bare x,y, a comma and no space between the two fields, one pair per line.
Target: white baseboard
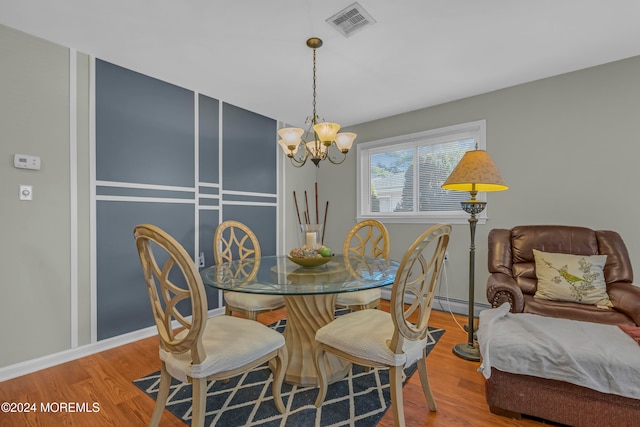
445,304
33,365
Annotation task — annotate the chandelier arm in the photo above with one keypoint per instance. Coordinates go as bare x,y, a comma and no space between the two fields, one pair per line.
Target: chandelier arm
299,162
328,157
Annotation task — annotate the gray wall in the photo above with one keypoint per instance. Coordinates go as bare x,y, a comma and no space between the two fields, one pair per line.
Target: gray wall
35,254
567,146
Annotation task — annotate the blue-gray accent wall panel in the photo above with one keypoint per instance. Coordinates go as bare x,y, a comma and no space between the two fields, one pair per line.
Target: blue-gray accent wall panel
209,138
123,302
145,134
144,129
248,151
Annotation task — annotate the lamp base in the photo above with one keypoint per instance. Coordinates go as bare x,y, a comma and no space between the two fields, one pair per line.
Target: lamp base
467,352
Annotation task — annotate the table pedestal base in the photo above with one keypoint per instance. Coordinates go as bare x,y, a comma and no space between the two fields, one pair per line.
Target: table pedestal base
305,315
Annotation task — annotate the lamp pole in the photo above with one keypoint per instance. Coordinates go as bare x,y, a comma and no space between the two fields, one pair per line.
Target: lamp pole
470,351
475,172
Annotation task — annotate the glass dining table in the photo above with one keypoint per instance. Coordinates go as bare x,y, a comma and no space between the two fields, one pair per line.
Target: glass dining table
310,296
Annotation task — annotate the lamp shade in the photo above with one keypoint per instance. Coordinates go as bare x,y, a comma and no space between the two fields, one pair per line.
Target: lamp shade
316,148
326,131
288,151
475,172
344,141
291,135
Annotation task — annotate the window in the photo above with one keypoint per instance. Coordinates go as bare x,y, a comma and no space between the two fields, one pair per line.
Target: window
400,178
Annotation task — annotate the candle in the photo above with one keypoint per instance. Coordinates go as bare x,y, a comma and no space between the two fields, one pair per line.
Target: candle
311,239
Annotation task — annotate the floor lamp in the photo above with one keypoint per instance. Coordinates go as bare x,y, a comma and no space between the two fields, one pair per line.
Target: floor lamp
475,172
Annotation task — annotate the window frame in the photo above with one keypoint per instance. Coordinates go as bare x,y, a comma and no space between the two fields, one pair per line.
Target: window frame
476,129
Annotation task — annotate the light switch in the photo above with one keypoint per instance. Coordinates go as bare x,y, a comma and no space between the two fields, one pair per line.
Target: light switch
26,192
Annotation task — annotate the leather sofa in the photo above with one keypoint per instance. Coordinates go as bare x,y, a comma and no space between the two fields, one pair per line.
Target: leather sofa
513,279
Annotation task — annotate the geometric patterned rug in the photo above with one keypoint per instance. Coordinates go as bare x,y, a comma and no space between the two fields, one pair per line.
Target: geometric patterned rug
360,399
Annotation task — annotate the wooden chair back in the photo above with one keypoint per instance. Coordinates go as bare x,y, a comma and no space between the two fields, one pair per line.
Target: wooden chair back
417,277
233,240
367,238
174,284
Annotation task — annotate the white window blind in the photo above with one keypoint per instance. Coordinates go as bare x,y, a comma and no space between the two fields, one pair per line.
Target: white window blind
400,178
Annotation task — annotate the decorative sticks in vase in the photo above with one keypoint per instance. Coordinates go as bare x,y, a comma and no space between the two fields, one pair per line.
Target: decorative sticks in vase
304,220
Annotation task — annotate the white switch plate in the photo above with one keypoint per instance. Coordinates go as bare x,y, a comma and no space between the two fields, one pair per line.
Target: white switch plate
26,192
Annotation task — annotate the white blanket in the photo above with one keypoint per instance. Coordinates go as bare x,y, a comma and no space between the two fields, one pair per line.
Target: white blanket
600,357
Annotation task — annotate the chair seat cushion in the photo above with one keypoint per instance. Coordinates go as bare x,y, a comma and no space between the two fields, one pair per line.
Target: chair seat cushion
230,343
366,334
253,302
358,298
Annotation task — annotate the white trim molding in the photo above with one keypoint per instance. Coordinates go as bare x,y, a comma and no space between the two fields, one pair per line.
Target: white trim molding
73,193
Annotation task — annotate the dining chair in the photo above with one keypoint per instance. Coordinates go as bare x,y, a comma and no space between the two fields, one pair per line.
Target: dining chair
394,340
366,238
194,348
234,240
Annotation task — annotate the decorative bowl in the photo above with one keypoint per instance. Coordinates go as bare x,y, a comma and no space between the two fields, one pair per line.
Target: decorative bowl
309,262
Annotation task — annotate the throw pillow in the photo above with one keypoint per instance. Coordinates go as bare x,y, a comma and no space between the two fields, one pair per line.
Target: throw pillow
575,278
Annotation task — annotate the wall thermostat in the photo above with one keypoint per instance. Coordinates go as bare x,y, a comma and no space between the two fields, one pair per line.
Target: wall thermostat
23,161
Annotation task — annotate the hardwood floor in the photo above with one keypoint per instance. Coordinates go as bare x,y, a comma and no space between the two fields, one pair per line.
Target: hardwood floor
106,379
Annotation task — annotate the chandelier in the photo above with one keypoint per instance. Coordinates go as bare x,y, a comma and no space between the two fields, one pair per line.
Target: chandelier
317,141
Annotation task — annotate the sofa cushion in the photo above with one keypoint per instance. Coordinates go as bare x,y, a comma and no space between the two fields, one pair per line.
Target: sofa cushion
574,278
592,355
575,311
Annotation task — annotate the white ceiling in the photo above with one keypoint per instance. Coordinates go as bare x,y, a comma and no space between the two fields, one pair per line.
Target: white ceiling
252,53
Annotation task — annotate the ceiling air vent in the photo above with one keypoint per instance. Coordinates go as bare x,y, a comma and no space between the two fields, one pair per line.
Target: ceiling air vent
351,19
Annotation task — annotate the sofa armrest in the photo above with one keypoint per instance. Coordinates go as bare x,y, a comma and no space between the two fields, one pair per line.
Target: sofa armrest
503,288
626,299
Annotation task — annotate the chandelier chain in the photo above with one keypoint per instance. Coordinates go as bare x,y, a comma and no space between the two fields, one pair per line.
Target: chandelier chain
313,119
